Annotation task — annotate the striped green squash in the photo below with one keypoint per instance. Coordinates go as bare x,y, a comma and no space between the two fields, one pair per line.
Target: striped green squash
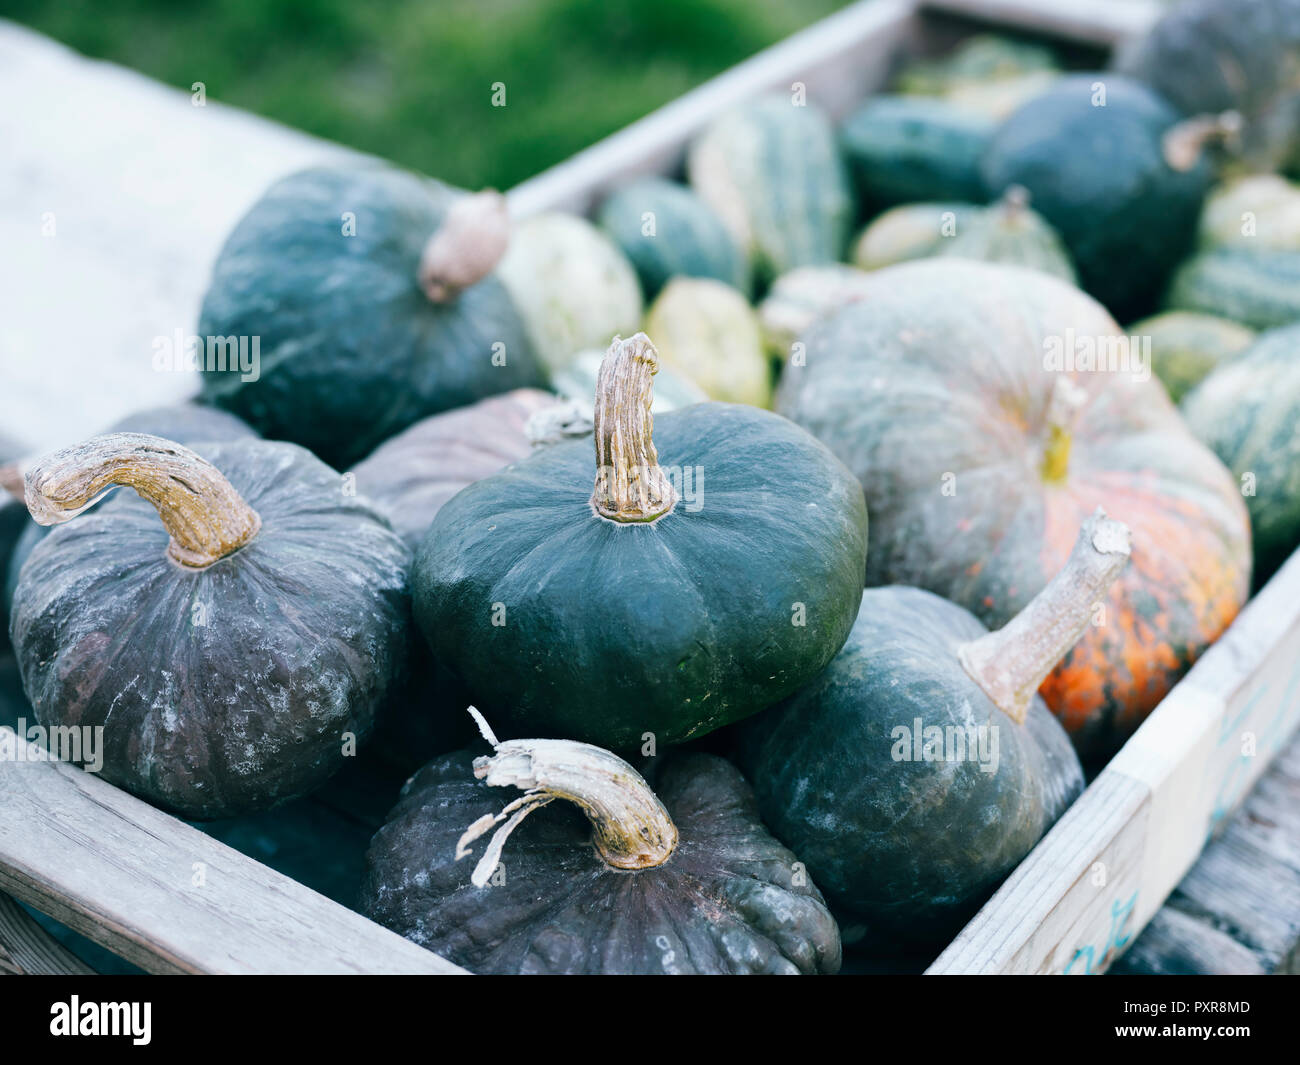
903,148
1259,289
1010,232
910,231
667,231
1248,412
707,332
1257,211
571,284
1186,346
773,173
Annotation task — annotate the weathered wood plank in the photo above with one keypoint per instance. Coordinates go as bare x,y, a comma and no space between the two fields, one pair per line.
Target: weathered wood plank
1238,910
26,949
1078,901
167,897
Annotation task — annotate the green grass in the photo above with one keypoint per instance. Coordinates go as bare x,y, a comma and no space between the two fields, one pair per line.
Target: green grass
411,80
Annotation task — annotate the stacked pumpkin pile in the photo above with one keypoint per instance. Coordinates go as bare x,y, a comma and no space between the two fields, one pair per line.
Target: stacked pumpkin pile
396,520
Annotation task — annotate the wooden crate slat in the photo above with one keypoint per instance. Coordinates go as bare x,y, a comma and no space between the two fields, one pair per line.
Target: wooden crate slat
1188,767
27,949
124,874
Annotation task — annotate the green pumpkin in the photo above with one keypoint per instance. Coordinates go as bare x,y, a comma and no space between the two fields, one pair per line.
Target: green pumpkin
1211,56
572,284
920,768
659,603
370,295
240,621
902,149
981,446
773,173
1259,289
1248,412
1187,345
1257,212
683,879
1012,233
667,231
910,231
707,332
1125,214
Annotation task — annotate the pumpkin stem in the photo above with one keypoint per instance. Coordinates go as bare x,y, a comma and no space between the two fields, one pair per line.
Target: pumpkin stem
630,484
631,828
11,479
206,517
1063,408
466,247
1185,142
1011,664
1014,201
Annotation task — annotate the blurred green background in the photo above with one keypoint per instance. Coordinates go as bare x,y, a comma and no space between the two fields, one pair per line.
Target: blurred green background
410,80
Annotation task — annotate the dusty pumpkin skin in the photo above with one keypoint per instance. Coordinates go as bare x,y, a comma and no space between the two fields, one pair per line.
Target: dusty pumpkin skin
937,379
725,901
908,848
364,334
303,618
674,618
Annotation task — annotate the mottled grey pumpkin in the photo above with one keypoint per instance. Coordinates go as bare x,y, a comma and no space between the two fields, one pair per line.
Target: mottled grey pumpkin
233,664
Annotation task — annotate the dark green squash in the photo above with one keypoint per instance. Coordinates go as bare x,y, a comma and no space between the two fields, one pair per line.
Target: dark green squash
241,645
1209,56
181,423
986,411
1248,412
1100,176
371,295
902,149
919,769
667,231
773,173
1258,288
690,884
661,603
13,518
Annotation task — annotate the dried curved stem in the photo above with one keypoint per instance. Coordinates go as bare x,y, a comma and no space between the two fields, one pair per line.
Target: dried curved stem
206,517
630,485
466,247
630,827
1011,664
1184,143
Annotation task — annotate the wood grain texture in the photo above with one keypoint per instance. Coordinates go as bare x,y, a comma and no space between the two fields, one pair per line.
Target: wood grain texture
1083,895
26,949
165,896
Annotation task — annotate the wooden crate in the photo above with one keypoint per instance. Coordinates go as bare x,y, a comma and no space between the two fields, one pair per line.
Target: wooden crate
170,898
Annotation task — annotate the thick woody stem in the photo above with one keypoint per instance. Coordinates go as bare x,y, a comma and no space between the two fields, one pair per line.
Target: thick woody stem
11,479
466,247
206,517
630,827
1063,408
1184,143
1011,664
630,485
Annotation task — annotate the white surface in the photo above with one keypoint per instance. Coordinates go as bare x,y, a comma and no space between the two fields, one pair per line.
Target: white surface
143,187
